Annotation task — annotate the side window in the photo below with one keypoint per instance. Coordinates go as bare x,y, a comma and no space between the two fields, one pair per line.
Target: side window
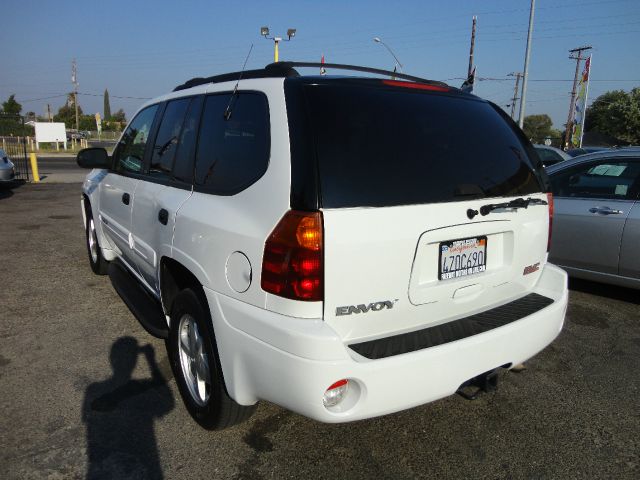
607,178
183,164
166,144
129,154
232,153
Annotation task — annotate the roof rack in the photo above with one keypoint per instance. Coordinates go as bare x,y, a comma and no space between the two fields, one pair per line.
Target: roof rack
273,70
286,69
356,68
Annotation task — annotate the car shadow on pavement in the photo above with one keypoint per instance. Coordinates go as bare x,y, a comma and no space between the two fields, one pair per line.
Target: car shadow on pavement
604,290
119,414
6,189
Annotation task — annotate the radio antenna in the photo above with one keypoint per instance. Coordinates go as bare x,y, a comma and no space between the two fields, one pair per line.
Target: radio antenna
227,112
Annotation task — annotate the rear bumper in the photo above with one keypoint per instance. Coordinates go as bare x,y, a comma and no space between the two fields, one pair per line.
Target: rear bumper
7,174
291,361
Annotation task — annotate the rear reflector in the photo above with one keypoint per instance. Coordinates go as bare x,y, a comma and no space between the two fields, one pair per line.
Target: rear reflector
335,393
550,201
417,86
292,265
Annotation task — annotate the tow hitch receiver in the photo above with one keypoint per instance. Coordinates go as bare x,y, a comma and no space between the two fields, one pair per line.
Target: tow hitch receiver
485,382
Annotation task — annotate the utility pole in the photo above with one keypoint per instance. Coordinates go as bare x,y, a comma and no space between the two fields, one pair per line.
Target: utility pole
473,42
575,54
514,100
525,75
49,112
74,80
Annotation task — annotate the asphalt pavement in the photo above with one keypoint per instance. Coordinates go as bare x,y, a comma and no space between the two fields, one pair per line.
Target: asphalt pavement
84,391
60,168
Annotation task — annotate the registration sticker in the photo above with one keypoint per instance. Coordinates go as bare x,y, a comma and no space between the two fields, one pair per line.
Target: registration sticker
461,258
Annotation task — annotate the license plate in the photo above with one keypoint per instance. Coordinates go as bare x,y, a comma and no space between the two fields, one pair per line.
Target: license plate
461,258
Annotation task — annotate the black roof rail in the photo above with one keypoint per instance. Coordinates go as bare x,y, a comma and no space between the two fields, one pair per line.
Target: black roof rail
286,69
273,70
356,68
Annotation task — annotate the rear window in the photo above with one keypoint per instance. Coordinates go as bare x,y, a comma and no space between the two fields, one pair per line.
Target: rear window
394,146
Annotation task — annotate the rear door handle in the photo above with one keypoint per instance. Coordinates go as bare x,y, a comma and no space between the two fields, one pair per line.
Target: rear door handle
163,216
605,211
126,198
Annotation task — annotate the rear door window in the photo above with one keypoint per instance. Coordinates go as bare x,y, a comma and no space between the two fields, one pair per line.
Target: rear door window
380,146
185,156
166,144
233,151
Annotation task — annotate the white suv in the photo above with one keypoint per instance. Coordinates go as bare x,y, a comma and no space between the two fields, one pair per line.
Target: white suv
344,247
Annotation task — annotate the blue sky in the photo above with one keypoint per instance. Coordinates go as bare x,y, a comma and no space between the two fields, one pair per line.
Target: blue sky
142,49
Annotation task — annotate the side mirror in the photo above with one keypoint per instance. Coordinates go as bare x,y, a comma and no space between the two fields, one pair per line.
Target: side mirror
93,158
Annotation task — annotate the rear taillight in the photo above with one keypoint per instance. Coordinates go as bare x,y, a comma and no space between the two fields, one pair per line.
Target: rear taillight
292,265
550,201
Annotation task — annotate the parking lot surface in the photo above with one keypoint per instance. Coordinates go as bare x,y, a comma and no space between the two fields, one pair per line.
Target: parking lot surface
86,392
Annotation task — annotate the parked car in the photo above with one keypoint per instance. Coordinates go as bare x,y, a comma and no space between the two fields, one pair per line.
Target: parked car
550,155
7,168
596,226
72,135
327,244
574,152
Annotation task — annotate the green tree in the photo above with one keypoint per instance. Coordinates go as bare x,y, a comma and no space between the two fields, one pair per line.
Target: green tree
87,123
616,113
119,116
10,122
67,113
11,107
107,106
538,127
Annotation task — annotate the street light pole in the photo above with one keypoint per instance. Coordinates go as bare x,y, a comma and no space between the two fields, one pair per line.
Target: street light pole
378,40
264,31
276,53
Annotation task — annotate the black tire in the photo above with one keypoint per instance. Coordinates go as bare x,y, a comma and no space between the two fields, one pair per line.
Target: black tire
98,264
210,406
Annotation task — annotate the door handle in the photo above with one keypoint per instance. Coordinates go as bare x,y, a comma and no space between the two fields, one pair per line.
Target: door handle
126,198
605,211
163,216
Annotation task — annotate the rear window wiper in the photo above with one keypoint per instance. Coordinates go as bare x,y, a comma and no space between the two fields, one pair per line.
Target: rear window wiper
517,203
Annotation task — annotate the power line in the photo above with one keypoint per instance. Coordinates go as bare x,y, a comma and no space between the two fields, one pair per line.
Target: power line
43,98
113,96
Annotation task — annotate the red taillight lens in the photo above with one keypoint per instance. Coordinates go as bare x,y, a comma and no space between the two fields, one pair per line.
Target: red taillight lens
416,86
550,201
292,265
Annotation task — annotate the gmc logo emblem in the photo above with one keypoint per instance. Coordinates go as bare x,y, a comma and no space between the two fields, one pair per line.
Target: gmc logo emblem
362,308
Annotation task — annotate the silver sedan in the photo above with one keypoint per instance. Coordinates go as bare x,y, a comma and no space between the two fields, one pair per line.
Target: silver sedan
551,155
7,169
596,223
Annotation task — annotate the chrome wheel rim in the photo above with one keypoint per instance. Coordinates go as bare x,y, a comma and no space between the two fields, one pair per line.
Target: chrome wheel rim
194,360
93,242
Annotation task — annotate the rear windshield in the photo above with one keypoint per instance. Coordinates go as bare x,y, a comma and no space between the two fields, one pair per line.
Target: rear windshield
381,146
